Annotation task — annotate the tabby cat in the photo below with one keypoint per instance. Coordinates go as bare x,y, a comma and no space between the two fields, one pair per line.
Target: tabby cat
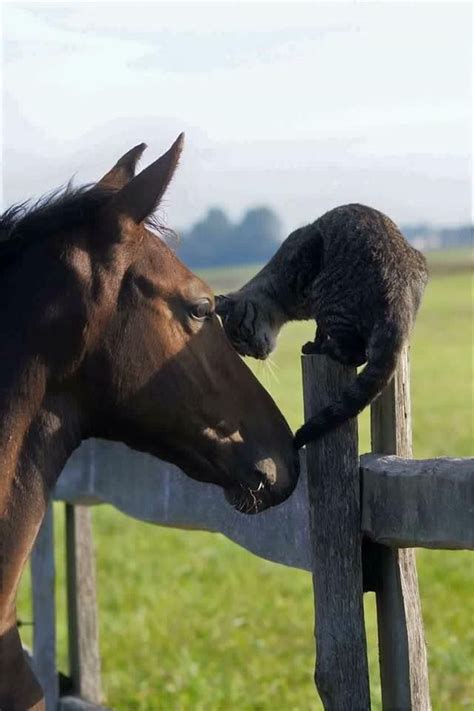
356,275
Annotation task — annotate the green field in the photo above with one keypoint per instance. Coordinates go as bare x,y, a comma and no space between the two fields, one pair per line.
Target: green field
190,621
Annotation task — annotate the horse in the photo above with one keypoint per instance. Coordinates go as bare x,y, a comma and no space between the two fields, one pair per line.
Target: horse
106,333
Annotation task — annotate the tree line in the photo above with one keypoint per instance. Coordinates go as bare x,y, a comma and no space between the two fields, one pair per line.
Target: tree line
215,241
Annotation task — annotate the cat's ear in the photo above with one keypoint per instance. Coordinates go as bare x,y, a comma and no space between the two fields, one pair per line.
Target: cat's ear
222,305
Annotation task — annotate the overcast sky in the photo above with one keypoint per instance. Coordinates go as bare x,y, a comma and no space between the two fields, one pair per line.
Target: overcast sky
300,106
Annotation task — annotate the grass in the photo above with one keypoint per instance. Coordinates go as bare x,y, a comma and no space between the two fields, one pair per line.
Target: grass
448,261
189,621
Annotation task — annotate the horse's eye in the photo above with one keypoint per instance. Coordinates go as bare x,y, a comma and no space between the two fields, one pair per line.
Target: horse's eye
201,309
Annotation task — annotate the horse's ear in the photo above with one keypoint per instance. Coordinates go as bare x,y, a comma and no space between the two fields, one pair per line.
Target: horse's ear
124,169
139,198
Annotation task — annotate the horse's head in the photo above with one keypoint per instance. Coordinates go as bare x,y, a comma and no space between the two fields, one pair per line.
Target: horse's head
158,371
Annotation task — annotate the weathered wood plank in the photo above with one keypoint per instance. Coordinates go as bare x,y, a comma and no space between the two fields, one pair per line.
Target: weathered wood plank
426,503
155,491
333,485
403,660
74,703
110,472
84,657
44,610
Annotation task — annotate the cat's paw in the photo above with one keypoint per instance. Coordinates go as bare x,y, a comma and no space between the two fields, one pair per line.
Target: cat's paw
310,348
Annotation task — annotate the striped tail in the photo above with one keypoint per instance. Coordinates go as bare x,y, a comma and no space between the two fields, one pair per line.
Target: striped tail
384,349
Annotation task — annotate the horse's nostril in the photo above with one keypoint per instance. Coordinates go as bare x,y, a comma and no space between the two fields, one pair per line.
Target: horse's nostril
267,470
258,481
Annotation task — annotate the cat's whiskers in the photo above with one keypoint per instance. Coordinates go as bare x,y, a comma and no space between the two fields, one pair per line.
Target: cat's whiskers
263,373
273,363
271,368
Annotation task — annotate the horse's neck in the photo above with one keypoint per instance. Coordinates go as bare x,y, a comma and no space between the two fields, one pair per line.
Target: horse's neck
36,440
35,443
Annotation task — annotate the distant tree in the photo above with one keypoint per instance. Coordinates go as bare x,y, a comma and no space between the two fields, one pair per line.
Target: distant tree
413,231
462,236
258,234
214,241
426,237
205,241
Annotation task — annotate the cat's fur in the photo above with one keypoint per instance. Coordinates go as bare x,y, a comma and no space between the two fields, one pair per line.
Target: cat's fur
356,275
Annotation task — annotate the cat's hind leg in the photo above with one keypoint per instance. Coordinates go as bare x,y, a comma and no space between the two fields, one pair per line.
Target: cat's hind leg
348,350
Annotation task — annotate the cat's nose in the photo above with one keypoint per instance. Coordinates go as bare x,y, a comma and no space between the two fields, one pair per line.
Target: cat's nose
262,350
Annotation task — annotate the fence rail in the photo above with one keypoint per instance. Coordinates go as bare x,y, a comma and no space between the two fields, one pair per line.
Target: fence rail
427,503
402,503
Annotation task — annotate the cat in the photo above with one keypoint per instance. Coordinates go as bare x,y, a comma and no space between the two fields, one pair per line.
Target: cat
356,275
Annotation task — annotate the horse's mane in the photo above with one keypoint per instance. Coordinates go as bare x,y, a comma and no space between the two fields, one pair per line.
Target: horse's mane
65,209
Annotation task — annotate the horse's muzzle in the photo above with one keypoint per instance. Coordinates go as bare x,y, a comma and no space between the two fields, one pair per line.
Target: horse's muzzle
269,485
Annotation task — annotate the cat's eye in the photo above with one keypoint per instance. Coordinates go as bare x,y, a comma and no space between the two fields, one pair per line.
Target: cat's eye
201,309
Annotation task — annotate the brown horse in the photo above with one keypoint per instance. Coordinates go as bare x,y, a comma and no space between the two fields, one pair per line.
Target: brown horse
105,333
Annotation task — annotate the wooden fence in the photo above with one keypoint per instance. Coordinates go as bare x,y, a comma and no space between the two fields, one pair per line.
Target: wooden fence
351,522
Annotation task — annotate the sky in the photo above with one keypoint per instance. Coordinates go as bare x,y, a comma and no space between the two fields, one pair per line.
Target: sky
298,106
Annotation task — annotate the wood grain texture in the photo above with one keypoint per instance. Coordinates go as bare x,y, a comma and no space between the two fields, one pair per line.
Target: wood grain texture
44,610
155,491
112,473
426,503
403,659
84,657
333,486
75,703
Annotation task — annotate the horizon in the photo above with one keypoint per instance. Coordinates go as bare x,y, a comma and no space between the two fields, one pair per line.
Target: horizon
298,109
182,230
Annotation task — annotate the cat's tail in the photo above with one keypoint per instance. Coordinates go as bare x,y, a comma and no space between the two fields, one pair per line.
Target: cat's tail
384,348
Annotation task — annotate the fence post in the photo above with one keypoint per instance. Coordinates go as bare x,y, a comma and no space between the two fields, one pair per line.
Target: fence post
334,491
44,610
84,657
403,659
